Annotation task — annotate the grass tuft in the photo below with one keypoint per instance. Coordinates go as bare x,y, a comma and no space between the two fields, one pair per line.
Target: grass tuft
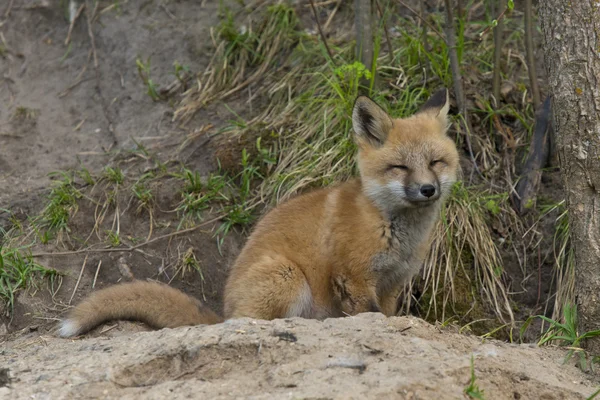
19,271
566,333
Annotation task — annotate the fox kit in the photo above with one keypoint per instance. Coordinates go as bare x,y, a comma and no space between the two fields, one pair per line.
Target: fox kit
336,251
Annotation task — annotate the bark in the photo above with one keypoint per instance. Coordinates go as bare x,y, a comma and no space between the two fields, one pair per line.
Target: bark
571,32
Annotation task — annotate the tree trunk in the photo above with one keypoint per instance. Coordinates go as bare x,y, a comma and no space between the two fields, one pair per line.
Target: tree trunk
571,31
363,21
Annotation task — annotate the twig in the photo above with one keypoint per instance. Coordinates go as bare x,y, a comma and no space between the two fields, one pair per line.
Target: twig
96,274
130,248
312,5
500,17
330,18
535,90
78,279
387,34
423,19
72,24
73,86
8,9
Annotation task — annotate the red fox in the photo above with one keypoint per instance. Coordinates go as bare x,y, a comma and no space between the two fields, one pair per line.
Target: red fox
336,251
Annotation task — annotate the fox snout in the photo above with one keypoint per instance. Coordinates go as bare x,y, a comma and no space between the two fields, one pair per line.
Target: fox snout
425,193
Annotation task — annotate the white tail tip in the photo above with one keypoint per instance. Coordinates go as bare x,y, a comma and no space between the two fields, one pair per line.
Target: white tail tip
68,328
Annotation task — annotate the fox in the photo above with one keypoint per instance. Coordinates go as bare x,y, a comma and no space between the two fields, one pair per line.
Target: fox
331,252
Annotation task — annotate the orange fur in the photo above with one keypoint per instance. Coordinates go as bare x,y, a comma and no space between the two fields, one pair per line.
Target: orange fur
336,251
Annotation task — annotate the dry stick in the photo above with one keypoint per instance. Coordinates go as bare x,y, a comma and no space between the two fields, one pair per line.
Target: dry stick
72,25
8,9
498,39
535,90
387,34
457,78
96,274
423,19
78,279
330,18
130,248
314,10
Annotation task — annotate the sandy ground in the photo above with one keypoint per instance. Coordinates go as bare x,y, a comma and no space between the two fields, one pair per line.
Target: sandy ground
367,356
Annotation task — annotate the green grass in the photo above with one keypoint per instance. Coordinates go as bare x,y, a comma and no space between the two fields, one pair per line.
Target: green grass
62,204
566,334
19,271
473,390
594,395
144,73
114,175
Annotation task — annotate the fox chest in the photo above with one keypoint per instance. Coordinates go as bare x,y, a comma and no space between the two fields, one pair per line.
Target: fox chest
400,257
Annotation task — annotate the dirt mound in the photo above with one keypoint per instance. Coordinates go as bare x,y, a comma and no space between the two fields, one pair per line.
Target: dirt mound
367,356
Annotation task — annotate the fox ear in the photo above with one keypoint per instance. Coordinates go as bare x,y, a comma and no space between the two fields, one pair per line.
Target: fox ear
437,106
370,122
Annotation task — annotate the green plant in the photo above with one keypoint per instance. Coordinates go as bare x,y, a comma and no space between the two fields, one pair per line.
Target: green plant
114,175
19,271
113,238
567,335
62,204
594,395
473,390
142,193
144,73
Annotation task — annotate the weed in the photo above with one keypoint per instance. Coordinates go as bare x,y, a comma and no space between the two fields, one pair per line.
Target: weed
86,176
144,73
143,194
114,239
567,334
198,195
24,113
19,271
62,204
182,72
473,390
114,175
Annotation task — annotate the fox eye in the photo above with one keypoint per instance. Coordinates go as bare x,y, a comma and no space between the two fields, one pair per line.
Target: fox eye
435,162
401,167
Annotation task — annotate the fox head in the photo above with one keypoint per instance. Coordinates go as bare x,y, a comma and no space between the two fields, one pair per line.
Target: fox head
408,162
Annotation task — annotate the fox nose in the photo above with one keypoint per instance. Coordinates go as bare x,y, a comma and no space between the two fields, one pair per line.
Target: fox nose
427,190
